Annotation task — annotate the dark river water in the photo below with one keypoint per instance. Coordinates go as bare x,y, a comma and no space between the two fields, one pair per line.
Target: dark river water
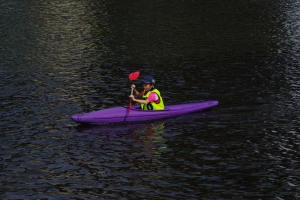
61,57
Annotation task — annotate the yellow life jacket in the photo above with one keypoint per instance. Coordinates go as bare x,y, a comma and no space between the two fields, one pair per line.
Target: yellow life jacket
154,105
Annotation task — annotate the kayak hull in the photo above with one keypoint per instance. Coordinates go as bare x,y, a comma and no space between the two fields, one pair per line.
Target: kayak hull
120,114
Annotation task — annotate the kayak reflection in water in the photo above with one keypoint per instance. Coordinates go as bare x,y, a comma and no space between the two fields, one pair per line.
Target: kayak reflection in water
151,98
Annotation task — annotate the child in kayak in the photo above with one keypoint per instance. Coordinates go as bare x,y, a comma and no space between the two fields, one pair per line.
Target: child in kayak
151,99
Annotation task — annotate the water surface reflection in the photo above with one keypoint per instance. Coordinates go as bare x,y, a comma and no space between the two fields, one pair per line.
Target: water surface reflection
132,154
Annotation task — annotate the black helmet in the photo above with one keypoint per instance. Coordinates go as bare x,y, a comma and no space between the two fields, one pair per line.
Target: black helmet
148,79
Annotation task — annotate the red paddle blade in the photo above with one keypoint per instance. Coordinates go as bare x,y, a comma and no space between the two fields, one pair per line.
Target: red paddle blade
134,75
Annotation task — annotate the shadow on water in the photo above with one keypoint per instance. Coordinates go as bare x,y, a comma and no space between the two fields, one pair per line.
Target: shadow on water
137,158
133,138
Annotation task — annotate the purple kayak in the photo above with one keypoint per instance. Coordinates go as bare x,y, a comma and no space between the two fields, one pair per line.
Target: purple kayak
120,114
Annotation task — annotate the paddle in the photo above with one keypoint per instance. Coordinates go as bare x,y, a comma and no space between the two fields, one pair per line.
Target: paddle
133,76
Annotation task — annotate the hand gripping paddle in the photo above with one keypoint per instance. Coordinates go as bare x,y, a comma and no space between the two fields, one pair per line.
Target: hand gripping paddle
133,76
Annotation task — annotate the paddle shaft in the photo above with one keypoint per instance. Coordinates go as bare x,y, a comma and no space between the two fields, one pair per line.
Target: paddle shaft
133,76
132,89
131,93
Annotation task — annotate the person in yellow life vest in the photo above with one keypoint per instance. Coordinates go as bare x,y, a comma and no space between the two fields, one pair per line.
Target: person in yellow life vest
151,98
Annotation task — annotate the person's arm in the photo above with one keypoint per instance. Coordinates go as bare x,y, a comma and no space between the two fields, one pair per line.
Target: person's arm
137,93
153,97
139,100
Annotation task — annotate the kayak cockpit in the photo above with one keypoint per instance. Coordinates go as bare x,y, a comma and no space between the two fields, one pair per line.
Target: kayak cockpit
138,108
